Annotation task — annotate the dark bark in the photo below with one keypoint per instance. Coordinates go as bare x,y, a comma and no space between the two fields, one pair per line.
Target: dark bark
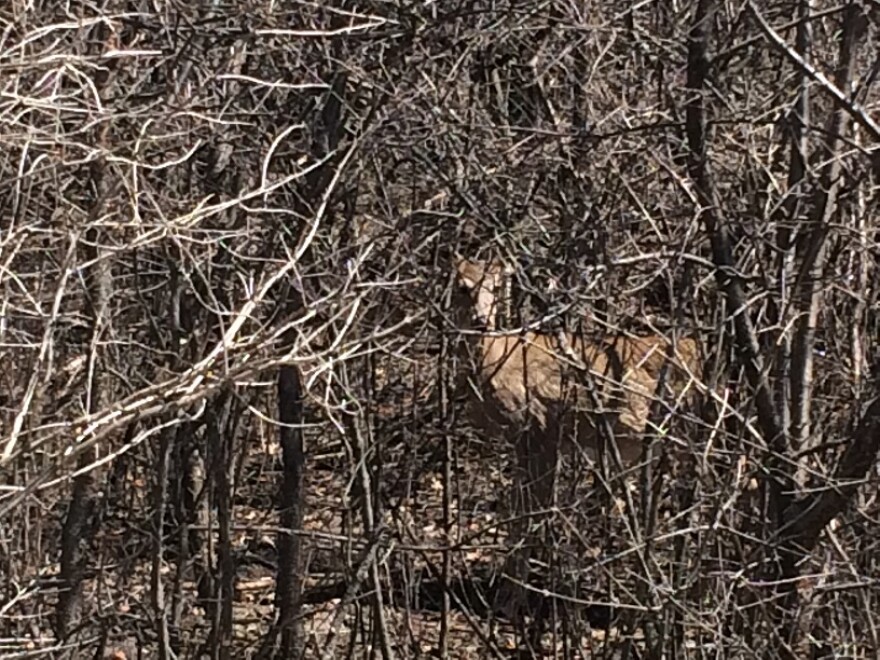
797,136
160,505
219,442
809,516
76,535
811,246
286,638
78,528
288,591
729,280
795,524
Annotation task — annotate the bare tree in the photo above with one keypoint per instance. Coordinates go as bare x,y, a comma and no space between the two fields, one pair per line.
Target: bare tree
228,422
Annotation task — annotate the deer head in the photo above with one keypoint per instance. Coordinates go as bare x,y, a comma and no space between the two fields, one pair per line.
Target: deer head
478,285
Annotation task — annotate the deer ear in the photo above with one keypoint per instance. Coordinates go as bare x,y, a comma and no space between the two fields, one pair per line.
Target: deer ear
464,266
496,267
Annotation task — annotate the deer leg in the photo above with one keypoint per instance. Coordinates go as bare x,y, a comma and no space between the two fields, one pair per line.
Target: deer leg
542,457
509,594
533,494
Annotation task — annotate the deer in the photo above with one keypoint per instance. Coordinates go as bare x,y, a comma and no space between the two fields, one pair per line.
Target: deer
523,377
545,390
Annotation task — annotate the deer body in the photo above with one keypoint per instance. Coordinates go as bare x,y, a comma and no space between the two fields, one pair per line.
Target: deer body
540,382
543,391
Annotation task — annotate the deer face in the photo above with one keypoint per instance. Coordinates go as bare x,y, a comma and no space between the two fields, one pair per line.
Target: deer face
478,284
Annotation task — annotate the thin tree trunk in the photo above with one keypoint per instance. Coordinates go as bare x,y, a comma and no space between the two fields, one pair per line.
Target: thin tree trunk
811,250
286,638
160,504
798,137
448,422
78,528
79,525
288,593
220,441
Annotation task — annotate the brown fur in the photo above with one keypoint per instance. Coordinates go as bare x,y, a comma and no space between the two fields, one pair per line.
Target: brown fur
539,381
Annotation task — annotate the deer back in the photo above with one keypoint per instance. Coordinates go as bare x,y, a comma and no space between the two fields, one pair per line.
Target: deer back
532,382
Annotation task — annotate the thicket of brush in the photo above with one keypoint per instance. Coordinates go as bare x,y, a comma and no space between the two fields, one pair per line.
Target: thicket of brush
227,233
